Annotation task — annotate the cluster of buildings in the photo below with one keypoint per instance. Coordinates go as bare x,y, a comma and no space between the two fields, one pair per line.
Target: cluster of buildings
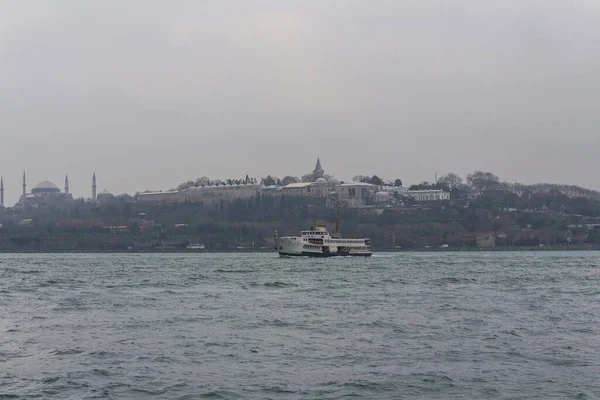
47,192
353,194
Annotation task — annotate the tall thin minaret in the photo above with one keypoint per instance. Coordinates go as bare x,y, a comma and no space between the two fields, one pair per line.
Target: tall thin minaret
67,185
94,187
24,186
1,191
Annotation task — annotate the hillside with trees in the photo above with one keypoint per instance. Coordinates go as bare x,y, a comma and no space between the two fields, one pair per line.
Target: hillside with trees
515,214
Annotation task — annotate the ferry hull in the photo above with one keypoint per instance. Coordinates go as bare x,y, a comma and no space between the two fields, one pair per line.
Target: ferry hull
323,255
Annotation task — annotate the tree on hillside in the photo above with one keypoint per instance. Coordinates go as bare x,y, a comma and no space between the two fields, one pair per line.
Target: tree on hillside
423,186
481,181
398,182
289,179
185,185
269,181
375,180
450,181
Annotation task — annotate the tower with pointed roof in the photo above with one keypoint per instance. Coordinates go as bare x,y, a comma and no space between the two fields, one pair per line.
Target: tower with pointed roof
67,185
318,171
24,186
1,191
94,187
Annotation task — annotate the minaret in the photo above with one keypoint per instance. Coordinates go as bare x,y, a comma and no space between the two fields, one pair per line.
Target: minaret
67,185
24,186
94,187
1,191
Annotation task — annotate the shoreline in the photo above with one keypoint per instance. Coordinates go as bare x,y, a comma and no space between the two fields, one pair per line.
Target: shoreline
250,251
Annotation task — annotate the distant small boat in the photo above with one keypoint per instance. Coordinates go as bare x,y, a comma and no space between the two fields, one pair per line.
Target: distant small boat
195,247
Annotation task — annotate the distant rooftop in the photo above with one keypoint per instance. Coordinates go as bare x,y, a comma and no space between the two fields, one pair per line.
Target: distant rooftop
357,184
298,185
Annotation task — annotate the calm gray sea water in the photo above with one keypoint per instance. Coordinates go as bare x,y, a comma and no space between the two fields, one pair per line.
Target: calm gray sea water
253,326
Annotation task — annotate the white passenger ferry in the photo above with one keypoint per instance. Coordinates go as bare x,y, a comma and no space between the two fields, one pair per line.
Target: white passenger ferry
317,242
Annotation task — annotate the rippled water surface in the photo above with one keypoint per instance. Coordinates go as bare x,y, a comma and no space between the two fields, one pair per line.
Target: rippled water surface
254,326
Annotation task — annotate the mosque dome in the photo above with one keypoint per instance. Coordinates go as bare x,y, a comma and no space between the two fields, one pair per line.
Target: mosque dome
45,187
333,181
105,193
321,180
382,197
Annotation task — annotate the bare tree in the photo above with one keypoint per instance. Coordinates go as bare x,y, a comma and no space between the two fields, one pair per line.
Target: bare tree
481,181
451,180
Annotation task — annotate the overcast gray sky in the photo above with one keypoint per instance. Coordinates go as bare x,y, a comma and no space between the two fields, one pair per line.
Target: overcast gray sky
152,93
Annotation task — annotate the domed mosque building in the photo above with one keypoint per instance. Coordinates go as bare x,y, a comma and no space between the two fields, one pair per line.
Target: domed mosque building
105,197
47,193
44,192
45,188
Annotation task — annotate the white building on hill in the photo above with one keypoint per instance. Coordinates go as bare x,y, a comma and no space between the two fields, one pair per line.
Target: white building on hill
201,194
428,195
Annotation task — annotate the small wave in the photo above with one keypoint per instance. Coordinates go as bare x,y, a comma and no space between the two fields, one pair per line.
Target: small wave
278,284
433,378
215,344
276,322
102,354
220,395
377,324
100,372
67,352
165,359
584,330
390,280
148,393
76,306
278,389
454,280
365,385
31,272
233,271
